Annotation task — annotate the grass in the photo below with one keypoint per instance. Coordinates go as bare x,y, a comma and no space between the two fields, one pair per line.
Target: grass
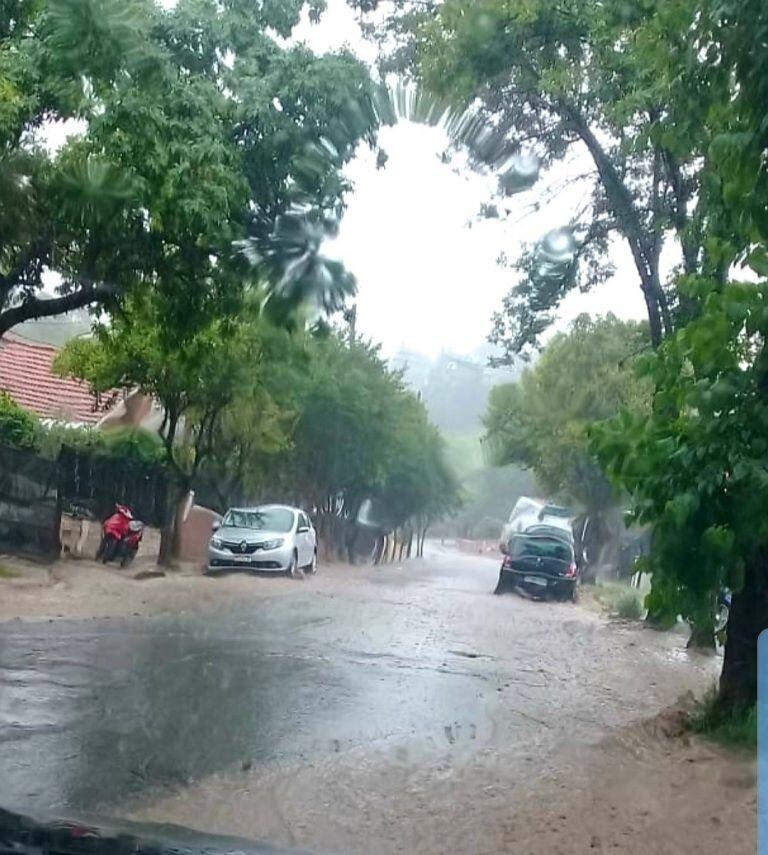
629,606
7,572
619,600
736,729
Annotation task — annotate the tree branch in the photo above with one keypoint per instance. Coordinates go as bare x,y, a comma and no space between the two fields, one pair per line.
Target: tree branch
34,307
623,206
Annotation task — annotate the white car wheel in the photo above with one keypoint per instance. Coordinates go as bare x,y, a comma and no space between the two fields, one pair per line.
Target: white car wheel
312,566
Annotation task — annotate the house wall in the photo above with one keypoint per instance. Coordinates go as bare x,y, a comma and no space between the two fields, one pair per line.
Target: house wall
196,533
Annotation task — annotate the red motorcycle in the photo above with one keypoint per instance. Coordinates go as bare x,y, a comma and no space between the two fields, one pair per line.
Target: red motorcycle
120,537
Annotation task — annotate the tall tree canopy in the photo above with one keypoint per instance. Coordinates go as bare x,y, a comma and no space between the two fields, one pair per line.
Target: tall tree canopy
198,137
696,465
621,85
541,422
359,434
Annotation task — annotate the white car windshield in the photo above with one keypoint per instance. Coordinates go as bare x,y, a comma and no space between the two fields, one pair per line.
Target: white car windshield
261,519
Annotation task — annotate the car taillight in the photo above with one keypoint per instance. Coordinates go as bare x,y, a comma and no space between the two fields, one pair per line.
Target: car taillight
571,571
507,561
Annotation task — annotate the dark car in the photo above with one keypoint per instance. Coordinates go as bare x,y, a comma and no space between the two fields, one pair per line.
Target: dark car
25,835
541,561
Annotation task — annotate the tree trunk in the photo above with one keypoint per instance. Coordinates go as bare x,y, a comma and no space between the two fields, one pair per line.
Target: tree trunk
702,637
378,550
403,544
748,618
170,536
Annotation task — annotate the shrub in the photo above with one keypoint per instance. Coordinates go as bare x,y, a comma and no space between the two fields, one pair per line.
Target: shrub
136,444
18,427
52,438
629,607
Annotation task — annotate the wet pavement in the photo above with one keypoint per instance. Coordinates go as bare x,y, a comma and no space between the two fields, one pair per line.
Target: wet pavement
98,713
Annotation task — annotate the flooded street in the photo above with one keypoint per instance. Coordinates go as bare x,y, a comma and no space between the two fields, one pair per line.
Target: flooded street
366,710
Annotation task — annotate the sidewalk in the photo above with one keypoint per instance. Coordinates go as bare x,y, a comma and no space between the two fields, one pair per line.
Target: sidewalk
76,589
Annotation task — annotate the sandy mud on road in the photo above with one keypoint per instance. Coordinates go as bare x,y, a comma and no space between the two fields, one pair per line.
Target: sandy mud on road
634,792
558,756
438,718
70,589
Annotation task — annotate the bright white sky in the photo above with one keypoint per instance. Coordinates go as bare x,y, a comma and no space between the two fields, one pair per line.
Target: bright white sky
426,281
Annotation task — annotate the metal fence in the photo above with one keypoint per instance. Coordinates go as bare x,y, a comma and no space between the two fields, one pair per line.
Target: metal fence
94,483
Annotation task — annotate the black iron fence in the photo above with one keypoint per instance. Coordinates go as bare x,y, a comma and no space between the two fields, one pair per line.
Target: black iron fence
93,483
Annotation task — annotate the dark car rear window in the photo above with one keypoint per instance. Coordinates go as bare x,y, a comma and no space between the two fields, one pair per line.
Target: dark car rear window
540,547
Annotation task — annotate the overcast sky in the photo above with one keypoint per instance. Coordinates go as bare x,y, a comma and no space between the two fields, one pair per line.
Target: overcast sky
426,281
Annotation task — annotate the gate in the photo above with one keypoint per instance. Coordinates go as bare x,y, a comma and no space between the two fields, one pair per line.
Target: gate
93,483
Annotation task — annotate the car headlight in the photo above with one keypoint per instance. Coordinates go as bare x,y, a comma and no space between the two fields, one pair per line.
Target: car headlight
273,544
216,542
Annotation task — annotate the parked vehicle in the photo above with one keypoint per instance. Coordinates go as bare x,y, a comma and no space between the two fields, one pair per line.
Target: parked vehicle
272,538
120,537
540,561
532,512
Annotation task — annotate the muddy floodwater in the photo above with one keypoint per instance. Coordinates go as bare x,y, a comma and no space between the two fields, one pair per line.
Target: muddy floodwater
365,710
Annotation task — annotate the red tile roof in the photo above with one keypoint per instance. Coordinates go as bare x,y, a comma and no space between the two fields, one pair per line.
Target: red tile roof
26,373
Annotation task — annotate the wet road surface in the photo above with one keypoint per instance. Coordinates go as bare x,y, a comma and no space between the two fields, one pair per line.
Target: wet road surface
99,713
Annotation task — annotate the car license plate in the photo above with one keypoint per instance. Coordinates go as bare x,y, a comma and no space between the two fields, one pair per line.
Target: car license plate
242,559
535,580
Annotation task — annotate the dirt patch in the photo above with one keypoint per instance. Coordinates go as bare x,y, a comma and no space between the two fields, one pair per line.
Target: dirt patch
640,793
72,589
637,792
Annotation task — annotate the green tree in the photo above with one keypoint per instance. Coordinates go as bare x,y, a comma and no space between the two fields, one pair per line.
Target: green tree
343,438
195,378
619,84
542,422
420,487
357,434
185,163
697,469
696,465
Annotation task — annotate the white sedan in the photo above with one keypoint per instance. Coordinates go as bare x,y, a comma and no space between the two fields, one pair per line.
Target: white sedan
271,538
